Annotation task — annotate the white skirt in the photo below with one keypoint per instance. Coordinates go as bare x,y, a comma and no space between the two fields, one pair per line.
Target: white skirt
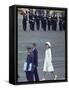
48,67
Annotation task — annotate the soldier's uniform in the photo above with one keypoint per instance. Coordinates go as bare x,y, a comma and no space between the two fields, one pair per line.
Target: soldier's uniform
44,23
52,22
37,20
49,23
24,22
60,23
31,21
55,23
30,18
64,24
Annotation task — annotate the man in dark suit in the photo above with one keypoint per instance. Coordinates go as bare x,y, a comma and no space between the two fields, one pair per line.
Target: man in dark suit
35,61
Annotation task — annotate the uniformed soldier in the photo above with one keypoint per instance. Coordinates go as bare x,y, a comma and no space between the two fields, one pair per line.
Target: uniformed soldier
30,18
52,22
55,23
60,23
64,23
37,20
24,22
31,21
49,23
44,23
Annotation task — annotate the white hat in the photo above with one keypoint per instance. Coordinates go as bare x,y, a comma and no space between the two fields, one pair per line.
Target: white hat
48,43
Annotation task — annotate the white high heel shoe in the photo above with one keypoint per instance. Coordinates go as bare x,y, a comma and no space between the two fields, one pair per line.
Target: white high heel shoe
55,78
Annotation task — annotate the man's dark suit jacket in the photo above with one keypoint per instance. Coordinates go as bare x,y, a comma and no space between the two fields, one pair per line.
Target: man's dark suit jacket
35,57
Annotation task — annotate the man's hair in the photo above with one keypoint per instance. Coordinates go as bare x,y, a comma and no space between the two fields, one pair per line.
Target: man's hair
34,44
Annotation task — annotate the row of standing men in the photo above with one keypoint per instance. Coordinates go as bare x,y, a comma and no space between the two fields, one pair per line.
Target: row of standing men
44,21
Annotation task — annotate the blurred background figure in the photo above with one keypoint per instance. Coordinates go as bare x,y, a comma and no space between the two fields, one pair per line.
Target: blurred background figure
60,23
24,21
31,20
49,23
54,21
37,20
44,22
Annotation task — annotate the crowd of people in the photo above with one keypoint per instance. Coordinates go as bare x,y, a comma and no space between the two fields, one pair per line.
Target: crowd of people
43,21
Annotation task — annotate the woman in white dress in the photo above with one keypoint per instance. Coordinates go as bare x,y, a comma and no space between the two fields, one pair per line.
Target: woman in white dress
48,66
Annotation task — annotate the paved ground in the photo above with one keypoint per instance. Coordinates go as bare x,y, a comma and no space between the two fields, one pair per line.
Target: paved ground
57,40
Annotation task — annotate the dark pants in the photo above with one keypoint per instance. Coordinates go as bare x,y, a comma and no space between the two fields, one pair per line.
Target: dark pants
44,26
24,26
29,76
48,26
60,27
35,73
63,26
32,26
37,25
52,26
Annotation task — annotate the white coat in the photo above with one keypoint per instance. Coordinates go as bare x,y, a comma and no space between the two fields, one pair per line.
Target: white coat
48,66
